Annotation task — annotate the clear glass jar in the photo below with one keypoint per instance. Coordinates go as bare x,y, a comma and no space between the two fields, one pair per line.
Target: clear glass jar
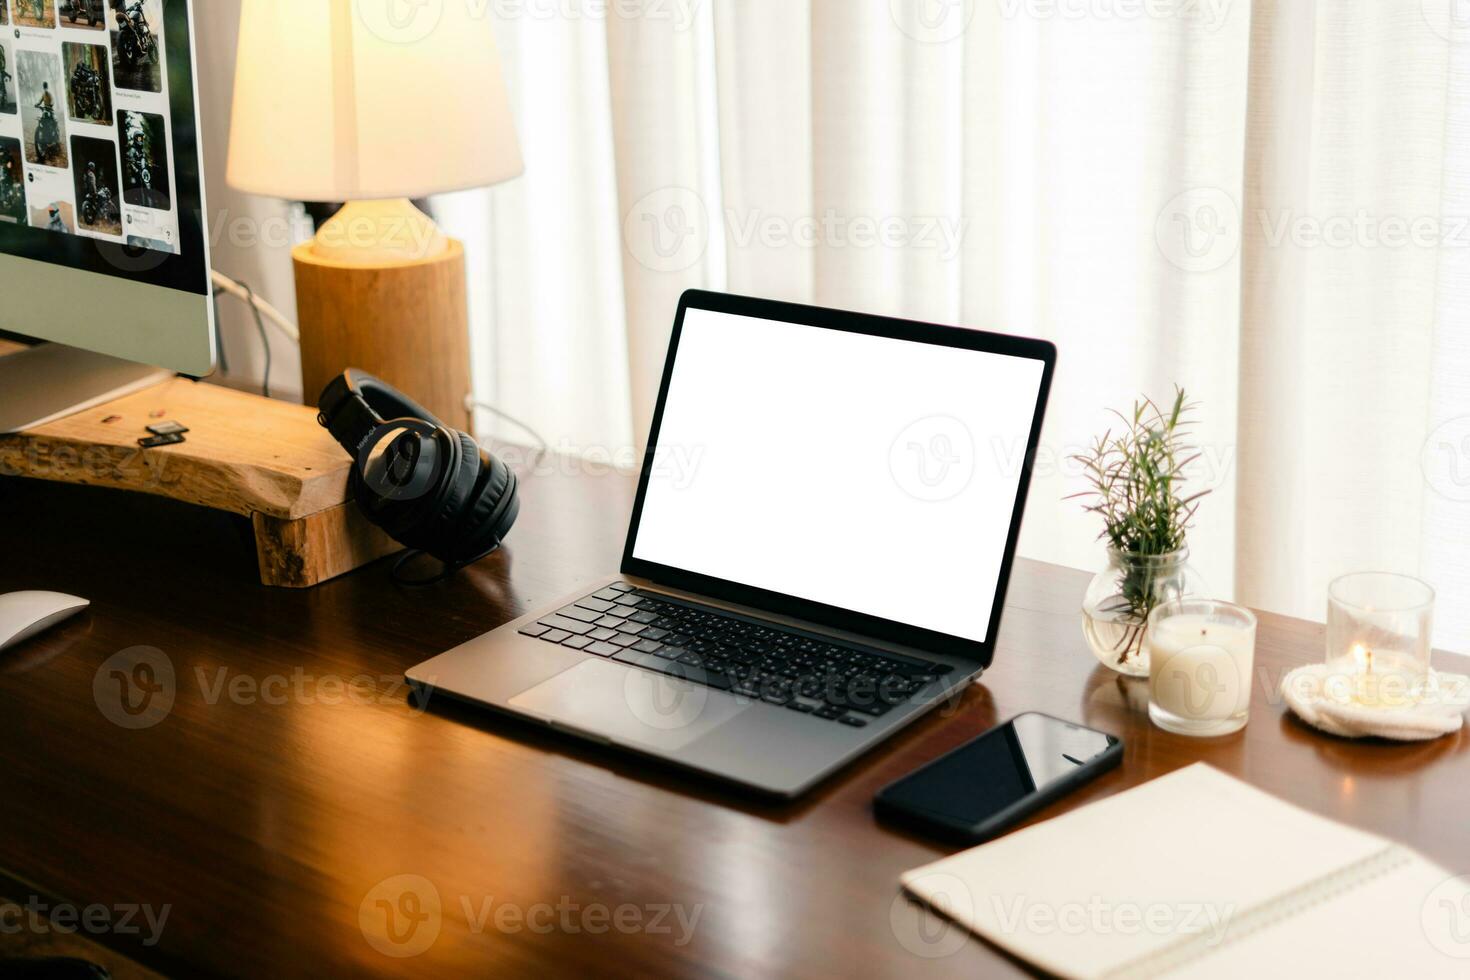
1379,627
1120,597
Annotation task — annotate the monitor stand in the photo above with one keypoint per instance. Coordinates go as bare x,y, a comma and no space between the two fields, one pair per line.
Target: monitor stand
266,461
51,381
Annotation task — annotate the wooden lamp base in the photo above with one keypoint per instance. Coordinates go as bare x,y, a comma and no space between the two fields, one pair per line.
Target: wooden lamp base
406,322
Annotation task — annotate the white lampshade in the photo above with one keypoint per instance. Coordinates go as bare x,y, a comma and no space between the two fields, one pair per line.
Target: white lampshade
341,100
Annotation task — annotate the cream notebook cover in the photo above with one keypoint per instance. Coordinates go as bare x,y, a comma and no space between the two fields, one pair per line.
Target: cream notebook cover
1198,875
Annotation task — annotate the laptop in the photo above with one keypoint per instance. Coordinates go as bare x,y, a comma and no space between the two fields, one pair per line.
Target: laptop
817,554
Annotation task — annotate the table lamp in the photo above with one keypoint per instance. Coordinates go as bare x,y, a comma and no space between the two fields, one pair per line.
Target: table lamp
337,101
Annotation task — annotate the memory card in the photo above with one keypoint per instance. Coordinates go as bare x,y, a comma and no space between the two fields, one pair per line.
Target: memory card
153,442
167,429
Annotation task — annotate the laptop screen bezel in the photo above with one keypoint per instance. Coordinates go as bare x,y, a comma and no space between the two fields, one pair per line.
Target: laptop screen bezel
819,613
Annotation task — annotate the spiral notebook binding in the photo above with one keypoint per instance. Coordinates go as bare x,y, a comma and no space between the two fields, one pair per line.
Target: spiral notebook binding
1267,914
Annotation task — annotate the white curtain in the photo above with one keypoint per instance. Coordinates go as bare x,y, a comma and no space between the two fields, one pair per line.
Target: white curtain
1263,202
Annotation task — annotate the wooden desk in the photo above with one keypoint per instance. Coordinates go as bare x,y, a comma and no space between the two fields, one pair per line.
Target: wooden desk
266,820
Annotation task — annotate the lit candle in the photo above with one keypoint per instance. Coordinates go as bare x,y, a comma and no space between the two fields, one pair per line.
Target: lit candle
1378,639
1376,679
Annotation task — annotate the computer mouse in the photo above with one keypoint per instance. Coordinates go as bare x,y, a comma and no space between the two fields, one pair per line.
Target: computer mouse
24,614
53,968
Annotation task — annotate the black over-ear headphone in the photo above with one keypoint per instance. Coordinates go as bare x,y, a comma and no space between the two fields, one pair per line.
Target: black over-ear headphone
430,487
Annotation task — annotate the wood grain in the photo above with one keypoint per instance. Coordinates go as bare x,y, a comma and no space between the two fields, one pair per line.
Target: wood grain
310,550
268,816
407,324
260,458
245,454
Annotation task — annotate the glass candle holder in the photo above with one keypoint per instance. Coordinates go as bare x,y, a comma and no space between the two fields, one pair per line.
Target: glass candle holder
1378,639
1201,656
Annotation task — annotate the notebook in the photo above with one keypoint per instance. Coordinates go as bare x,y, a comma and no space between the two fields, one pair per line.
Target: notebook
1198,875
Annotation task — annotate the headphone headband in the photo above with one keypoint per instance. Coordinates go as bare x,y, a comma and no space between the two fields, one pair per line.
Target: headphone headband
355,403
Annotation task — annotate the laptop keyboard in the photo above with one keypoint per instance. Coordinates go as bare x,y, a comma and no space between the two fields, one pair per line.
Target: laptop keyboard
758,660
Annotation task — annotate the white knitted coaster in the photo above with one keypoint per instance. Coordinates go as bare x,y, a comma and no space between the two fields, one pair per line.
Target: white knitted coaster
1316,693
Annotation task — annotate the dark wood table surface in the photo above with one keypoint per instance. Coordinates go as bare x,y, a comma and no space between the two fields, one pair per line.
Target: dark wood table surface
292,782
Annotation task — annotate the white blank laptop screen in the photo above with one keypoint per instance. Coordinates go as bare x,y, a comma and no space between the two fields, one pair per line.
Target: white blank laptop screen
867,473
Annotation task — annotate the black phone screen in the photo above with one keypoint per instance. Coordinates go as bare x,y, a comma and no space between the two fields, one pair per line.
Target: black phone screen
999,769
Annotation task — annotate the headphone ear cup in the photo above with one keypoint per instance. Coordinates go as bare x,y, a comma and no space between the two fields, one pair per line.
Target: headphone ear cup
440,535
495,497
414,522
395,517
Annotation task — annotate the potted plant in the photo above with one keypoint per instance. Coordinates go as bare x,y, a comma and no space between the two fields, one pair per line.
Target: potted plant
1138,487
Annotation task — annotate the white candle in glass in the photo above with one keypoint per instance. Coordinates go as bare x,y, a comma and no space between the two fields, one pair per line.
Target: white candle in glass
1201,655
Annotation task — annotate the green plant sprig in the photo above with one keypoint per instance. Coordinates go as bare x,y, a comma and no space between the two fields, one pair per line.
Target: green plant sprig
1137,488
1137,478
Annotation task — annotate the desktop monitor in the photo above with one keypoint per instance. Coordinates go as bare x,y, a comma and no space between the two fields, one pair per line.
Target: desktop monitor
103,251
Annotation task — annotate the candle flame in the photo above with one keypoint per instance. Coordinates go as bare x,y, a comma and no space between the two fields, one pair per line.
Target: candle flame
1364,656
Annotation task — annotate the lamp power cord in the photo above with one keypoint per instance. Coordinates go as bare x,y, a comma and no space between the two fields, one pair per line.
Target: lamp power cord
263,312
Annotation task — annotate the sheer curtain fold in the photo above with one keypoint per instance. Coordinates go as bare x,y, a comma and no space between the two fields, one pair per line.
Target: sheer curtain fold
1445,458
1264,202
764,58
1346,162
661,74
547,303
887,155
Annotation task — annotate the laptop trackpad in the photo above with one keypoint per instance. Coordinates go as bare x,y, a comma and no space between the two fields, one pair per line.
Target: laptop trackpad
626,704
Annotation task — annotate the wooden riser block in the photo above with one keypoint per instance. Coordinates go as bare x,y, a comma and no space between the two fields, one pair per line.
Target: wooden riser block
299,554
263,459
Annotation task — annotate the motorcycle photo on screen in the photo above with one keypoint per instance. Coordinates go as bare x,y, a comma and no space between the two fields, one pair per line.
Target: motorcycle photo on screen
47,141
97,204
140,167
86,87
7,90
38,75
84,13
87,83
95,173
12,182
145,160
135,44
35,13
56,216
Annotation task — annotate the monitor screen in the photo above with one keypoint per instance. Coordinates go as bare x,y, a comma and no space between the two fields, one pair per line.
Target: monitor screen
99,163
866,473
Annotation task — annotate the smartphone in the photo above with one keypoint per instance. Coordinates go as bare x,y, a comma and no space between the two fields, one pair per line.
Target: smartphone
992,782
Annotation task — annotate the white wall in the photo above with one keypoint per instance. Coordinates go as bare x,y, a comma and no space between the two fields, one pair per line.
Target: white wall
249,236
